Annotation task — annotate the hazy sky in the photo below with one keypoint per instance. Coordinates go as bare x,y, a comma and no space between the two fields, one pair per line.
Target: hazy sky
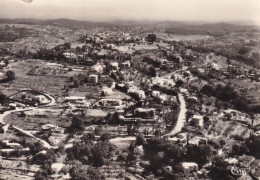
103,10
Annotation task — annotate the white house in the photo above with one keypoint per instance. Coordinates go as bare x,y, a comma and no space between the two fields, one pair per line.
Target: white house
93,78
98,68
114,65
56,167
70,55
189,167
107,91
156,94
198,120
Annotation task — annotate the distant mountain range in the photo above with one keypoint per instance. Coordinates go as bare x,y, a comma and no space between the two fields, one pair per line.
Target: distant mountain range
179,27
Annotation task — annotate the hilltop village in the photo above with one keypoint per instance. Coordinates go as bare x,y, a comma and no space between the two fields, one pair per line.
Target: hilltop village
128,103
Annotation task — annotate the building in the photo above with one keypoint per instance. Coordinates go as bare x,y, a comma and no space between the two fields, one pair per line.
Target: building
114,65
192,99
125,65
93,78
107,91
163,98
130,84
56,167
48,127
197,140
197,120
2,64
54,65
139,93
75,101
145,113
70,55
97,68
74,98
156,94
163,82
110,102
189,167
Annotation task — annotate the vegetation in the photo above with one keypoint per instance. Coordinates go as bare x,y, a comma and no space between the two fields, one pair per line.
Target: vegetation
151,38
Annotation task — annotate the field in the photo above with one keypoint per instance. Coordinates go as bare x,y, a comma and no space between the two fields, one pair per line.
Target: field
34,120
227,129
40,76
17,169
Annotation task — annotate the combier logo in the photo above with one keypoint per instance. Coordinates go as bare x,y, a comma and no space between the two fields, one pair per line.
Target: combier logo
28,1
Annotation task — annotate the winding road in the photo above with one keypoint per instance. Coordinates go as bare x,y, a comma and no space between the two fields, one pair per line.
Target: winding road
44,143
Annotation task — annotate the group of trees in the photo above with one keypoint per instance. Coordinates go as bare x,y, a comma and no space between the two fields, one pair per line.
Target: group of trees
88,152
227,94
77,124
166,90
250,146
253,145
163,153
84,172
49,54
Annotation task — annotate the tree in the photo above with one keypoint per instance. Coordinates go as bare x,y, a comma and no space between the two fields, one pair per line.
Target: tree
105,137
81,172
219,169
131,157
78,49
140,140
253,145
205,119
75,83
10,75
222,142
22,114
35,147
88,137
151,71
76,125
41,175
199,154
243,50
115,118
3,98
151,38
157,161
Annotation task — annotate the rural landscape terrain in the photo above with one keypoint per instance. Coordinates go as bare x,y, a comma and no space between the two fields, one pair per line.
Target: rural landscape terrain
130,100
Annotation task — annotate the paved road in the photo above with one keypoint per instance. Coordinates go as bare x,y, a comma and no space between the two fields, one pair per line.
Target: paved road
182,116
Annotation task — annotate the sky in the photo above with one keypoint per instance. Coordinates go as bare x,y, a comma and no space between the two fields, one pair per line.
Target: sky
108,10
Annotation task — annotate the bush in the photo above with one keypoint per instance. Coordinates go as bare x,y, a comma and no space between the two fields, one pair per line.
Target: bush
10,75
140,140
